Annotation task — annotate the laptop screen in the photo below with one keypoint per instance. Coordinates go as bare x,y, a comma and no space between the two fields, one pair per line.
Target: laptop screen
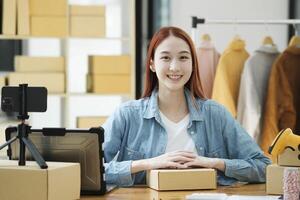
78,145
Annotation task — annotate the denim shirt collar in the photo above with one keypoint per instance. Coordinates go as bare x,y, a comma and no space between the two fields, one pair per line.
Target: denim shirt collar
152,109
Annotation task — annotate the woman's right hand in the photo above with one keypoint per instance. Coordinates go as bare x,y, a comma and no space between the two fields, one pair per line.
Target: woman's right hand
175,159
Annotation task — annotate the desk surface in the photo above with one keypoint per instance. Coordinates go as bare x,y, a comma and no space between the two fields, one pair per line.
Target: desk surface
144,193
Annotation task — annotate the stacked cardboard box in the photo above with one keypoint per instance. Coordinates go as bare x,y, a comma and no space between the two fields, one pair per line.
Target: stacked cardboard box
88,122
39,71
275,172
49,18
109,74
87,21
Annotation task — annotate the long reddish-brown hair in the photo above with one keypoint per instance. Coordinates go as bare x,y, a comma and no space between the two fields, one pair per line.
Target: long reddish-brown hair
194,83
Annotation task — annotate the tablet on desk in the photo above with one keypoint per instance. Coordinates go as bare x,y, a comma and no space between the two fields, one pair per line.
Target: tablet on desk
69,145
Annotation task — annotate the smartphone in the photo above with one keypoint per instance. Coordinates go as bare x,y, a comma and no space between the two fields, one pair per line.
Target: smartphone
11,100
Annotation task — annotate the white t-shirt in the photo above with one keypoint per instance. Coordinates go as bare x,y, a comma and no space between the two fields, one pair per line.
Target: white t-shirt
178,137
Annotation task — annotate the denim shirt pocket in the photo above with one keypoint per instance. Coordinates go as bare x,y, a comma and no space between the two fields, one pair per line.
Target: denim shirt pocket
130,154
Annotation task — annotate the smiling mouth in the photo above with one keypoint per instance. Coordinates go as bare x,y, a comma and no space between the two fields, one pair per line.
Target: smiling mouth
174,77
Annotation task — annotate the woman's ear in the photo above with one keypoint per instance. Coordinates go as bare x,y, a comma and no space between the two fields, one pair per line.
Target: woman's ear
152,66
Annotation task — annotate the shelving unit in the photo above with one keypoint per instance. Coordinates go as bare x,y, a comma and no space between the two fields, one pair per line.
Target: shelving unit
76,101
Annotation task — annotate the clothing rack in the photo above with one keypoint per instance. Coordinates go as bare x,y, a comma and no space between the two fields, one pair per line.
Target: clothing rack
196,21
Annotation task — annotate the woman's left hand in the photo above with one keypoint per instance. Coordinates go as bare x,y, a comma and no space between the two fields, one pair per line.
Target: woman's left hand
206,162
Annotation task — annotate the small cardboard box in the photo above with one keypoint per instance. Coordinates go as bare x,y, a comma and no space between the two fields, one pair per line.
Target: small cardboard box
274,182
23,24
87,26
48,7
2,81
88,122
54,82
49,26
289,158
183,179
110,64
39,64
94,10
9,17
61,181
109,84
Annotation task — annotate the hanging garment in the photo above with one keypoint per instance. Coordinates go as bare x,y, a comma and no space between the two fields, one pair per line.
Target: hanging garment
253,89
208,58
283,97
228,74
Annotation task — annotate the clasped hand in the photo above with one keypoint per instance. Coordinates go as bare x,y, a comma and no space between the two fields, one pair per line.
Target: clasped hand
180,160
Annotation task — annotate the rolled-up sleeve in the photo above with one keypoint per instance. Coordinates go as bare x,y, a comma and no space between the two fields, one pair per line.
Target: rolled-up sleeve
116,172
246,161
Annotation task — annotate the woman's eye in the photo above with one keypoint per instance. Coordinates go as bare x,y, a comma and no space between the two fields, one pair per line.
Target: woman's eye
184,57
165,58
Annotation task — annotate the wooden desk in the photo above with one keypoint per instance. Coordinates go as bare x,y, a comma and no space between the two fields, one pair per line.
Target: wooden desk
144,193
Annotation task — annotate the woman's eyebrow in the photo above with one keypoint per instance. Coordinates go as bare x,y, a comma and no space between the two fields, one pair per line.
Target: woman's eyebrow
185,52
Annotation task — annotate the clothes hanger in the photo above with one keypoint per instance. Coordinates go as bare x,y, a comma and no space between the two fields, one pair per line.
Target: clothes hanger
295,40
268,41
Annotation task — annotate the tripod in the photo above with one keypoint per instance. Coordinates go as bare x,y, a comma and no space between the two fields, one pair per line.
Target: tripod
23,131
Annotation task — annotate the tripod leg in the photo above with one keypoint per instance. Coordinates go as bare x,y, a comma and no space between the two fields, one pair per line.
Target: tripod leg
8,142
35,153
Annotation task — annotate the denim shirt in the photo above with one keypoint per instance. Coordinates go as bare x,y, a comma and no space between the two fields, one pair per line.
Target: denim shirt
135,131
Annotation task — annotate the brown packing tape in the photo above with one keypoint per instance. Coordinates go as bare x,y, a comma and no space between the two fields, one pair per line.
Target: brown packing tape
87,26
94,10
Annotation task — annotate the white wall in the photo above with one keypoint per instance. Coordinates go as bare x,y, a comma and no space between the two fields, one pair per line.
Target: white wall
182,10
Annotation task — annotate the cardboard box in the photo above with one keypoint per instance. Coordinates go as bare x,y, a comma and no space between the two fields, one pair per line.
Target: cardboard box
39,64
48,7
88,122
23,17
94,10
87,26
110,64
183,179
109,84
61,181
49,26
9,21
274,182
2,81
289,158
54,82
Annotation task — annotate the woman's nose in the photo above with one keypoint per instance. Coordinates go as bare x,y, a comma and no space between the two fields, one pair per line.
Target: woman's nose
173,65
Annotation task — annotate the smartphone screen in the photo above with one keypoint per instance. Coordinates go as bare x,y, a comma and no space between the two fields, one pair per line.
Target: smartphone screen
11,99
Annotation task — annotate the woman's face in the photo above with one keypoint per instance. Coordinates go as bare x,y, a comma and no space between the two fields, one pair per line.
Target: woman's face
172,64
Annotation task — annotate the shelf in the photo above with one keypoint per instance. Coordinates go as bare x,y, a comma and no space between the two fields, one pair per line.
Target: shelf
98,94
26,37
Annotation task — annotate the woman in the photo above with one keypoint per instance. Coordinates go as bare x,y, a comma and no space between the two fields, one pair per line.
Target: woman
174,126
